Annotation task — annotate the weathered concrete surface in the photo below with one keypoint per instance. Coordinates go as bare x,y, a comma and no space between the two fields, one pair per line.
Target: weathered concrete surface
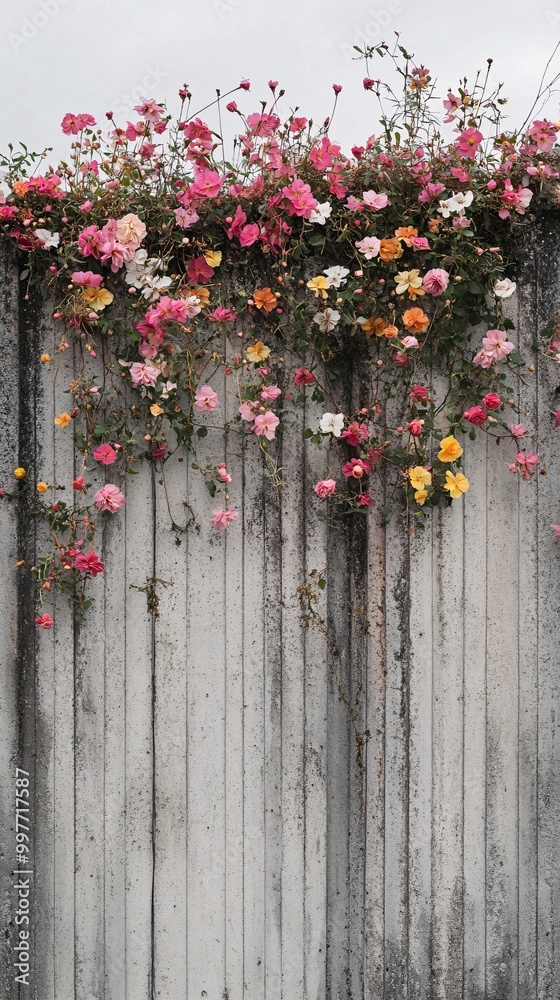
200,824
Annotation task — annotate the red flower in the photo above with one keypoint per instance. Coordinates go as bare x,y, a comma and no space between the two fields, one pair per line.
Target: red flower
89,562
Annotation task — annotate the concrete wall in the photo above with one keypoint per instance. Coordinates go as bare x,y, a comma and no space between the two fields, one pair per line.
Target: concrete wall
201,825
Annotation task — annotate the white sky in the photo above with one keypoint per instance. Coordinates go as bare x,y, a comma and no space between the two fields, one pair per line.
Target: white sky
95,55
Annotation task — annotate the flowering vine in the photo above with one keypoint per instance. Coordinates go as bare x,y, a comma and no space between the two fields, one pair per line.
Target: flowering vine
170,264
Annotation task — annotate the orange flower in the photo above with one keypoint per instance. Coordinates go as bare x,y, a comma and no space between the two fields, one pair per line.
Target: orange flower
202,294
390,249
19,188
375,324
415,320
264,299
405,233
390,331
433,225
63,420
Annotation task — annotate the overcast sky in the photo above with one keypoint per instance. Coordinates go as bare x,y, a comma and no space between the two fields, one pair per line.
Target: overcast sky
96,55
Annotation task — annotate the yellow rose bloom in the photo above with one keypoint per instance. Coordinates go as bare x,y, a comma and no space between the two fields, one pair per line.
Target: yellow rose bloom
155,410
213,258
20,473
421,496
450,449
320,286
98,298
42,487
258,352
457,485
409,281
419,477
63,420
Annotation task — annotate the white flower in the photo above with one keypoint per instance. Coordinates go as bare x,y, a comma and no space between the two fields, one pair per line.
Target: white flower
321,213
504,288
457,203
5,190
336,275
327,320
168,387
154,286
332,423
49,239
136,269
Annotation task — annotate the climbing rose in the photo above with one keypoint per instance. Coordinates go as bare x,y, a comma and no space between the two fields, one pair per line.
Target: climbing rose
266,423
476,415
492,401
109,498
105,454
44,621
436,281
304,377
222,518
206,399
89,562
325,488
143,373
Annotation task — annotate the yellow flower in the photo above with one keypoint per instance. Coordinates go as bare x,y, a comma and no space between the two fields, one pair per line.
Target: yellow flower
409,281
63,420
98,298
155,410
320,286
457,485
450,449
20,473
421,496
258,352
45,358
213,258
419,477
42,487
375,324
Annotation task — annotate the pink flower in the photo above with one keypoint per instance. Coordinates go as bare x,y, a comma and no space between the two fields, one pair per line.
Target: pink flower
495,347
222,315
44,621
430,192
247,410
266,423
492,401
419,243
304,377
89,562
105,454
419,393
249,234
461,222
415,427
185,217
221,519
557,418
245,84
79,485
206,400
468,142
87,279
300,198
263,124
207,183
72,124
142,373
355,433
518,430
543,134
375,201
476,415
555,528
222,473
369,246
271,392
325,488
410,343
436,281
109,498
356,468
519,199
368,83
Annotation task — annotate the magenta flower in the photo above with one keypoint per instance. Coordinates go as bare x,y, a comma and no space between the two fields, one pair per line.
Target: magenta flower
300,198
221,519
109,499
87,279
476,415
105,454
205,399
555,528
266,424
44,621
304,377
492,401
89,562
468,142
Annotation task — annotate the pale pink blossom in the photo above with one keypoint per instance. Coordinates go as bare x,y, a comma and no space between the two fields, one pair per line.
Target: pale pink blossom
369,246
206,400
436,281
271,392
109,498
266,423
142,373
87,279
555,528
518,430
375,201
495,347
248,410
221,519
